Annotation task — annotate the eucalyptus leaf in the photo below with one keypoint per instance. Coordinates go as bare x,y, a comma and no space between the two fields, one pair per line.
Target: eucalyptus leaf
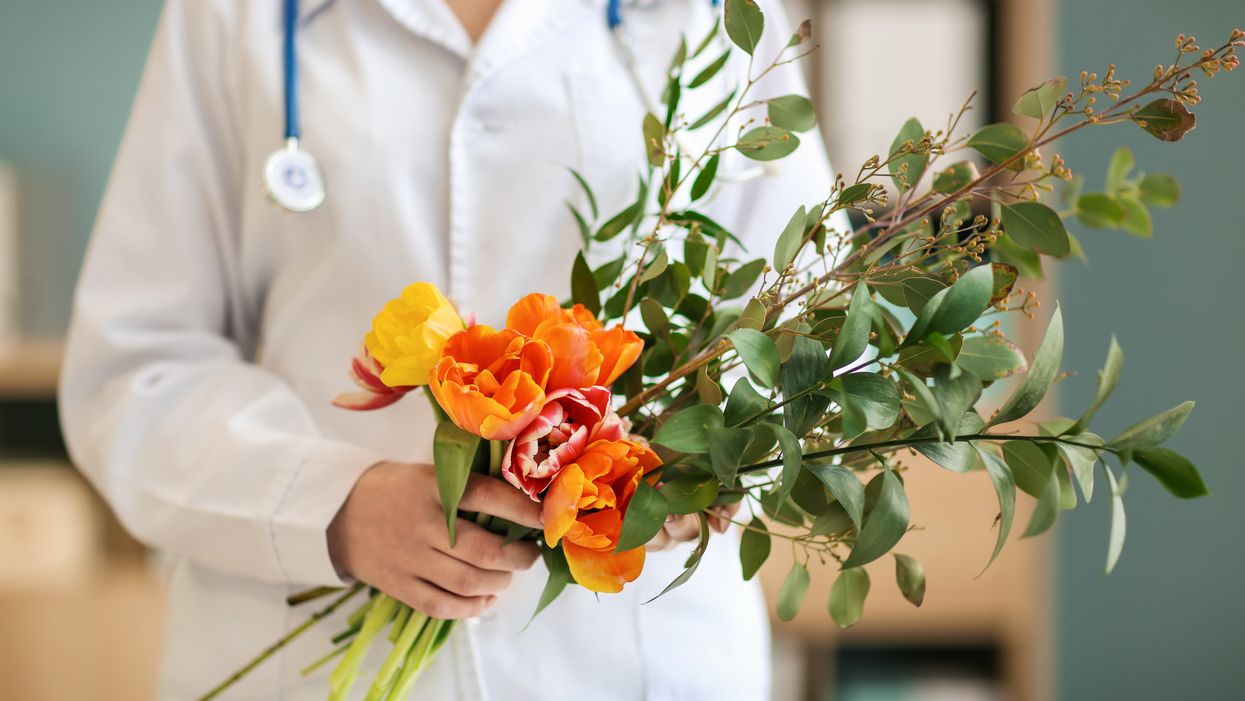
689,495
876,396
744,24
884,525
1041,375
1118,168
1040,102
956,307
846,488
744,403
1037,227
792,458
1046,511
584,286
726,448
792,112
1158,190
1115,542
1165,119
704,179
754,547
1154,430
1108,378
999,142
688,430
790,241
693,560
767,143
910,577
791,593
1172,470
1099,211
853,338
912,165
991,358
711,70
759,354
559,577
1005,489
847,596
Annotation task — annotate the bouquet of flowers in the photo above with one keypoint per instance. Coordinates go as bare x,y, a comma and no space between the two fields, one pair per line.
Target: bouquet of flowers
688,373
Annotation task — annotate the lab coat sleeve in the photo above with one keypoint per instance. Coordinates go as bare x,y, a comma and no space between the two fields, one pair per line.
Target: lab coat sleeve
758,210
199,452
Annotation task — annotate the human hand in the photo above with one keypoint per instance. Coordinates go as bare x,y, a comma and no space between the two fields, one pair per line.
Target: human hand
684,527
391,534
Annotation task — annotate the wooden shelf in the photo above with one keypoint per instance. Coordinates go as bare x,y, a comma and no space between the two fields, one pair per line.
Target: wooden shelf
30,368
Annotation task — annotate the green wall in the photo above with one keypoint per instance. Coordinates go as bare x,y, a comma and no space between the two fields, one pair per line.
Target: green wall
68,71
1166,624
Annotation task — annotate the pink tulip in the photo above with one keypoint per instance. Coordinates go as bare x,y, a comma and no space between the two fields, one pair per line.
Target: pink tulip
569,421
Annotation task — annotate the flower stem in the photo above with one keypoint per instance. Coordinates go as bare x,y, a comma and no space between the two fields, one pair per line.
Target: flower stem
343,678
413,627
285,640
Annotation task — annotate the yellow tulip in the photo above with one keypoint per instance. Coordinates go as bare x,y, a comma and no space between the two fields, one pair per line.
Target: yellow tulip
409,333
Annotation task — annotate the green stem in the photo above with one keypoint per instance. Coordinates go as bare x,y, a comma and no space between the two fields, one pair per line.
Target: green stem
324,660
411,630
430,640
903,442
285,640
303,597
343,678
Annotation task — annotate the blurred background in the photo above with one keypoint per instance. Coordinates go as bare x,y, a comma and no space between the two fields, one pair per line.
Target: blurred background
1044,622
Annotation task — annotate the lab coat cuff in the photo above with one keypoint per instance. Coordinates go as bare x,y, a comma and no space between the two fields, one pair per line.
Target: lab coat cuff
319,486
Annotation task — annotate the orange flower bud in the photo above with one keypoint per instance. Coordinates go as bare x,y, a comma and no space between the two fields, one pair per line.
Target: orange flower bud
492,383
585,352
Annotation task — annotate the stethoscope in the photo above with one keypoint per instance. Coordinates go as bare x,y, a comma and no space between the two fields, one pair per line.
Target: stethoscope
292,177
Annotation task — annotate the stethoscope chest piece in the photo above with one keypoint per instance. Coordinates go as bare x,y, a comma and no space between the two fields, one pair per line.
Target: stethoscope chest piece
292,178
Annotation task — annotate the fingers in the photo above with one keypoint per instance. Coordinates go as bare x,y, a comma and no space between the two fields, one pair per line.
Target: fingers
434,601
720,516
482,549
495,497
661,541
683,527
462,578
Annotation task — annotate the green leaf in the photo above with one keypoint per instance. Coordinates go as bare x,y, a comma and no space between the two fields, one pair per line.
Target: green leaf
688,430
1026,262
792,112
876,397
884,525
744,403
847,596
654,317
991,358
1154,430
584,285
645,516
585,231
956,177
999,142
853,338
1137,220
1099,211
726,448
744,24
707,388
846,488
915,162
956,307
693,560
759,354
790,240
1118,169
753,315
1040,376
1159,190
704,179
1173,471
1005,489
1037,227
768,143
802,373
741,279
754,547
583,184
791,593
1115,543
453,452
1046,511
711,70
1108,378
559,577
713,112
1032,465
1040,102
956,457
910,577
619,222
607,274
1081,460
689,495
657,267
792,457
654,140
708,40
1166,119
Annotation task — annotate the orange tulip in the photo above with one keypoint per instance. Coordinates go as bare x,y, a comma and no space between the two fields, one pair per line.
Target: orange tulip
584,509
585,352
492,383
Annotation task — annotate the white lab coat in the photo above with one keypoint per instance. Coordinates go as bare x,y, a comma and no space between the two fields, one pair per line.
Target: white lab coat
212,328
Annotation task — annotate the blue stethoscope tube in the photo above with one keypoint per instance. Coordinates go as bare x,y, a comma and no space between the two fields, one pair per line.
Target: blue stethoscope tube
290,60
